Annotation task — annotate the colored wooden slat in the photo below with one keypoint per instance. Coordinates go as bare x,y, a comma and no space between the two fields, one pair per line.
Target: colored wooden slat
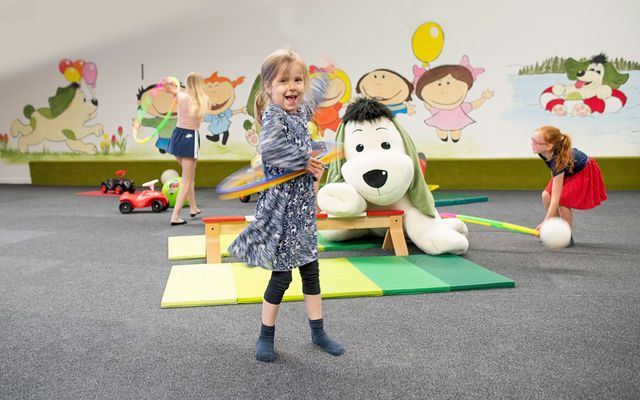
397,275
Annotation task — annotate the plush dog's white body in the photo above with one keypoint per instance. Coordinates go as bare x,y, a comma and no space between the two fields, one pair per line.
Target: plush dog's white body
377,174
67,127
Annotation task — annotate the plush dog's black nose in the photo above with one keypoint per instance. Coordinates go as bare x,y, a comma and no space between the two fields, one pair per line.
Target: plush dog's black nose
376,178
580,73
94,102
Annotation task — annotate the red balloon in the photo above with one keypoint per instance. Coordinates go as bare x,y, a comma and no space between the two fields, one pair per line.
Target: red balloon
79,64
64,64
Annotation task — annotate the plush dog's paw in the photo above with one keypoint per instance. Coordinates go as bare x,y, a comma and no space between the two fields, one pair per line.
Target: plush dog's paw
456,225
341,199
581,110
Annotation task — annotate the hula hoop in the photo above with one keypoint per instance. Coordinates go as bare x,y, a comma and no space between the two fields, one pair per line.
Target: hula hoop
493,223
248,181
143,109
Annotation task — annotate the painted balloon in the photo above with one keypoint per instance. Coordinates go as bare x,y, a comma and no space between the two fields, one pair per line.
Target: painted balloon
64,64
90,73
79,64
427,42
71,74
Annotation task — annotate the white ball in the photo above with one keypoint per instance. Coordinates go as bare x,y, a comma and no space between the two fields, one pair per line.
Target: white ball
168,174
555,233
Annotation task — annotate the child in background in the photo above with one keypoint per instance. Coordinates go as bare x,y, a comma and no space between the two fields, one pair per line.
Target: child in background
192,104
576,180
283,235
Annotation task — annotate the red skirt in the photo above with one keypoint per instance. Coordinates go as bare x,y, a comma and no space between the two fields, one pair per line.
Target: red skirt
584,190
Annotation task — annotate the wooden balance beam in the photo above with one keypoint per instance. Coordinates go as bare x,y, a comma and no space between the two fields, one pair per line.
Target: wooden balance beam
392,220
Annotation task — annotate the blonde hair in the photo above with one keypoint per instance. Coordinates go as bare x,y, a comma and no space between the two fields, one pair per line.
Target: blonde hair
272,65
200,102
561,147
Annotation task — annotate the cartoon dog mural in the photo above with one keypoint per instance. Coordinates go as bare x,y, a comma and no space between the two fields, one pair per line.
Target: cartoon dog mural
380,172
595,89
63,121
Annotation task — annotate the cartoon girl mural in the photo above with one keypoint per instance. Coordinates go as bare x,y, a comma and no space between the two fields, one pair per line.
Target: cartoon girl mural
338,93
443,90
221,92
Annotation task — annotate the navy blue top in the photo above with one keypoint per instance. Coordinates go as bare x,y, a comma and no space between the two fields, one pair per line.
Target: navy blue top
579,162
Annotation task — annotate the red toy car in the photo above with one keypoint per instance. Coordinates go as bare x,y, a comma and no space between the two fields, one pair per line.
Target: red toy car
157,200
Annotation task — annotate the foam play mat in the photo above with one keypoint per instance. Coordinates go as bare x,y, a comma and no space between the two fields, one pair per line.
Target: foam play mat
194,247
236,283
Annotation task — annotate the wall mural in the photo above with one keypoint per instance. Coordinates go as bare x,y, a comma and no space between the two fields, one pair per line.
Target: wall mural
570,88
69,112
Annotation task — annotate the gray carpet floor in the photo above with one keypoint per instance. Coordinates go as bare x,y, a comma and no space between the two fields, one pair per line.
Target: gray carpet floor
80,317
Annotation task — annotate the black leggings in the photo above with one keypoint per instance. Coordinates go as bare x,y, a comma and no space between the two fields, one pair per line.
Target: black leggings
280,281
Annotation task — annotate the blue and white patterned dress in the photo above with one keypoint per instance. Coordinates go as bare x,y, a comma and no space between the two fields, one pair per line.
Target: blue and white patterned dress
284,233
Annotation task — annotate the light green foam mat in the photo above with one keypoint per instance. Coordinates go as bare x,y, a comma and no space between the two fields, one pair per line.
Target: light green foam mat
339,278
397,275
251,282
460,273
199,285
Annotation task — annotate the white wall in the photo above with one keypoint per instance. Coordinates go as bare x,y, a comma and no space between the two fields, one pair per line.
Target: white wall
360,36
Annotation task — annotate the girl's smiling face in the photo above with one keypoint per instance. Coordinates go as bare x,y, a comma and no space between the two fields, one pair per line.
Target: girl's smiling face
287,88
446,93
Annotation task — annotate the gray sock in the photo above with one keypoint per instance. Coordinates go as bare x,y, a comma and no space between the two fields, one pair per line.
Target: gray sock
264,345
320,338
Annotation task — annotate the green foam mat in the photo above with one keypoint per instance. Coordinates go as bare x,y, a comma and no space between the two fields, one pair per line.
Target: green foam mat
397,275
199,285
232,283
449,199
460,273
368,242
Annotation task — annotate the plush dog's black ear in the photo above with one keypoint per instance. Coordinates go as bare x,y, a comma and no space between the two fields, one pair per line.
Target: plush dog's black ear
572,67
365,109
612,77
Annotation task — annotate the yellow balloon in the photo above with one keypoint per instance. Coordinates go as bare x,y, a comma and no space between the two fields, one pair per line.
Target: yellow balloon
427,42
72,74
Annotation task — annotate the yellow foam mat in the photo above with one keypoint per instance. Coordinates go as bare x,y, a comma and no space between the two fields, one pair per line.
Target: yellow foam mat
194,246
199,285
339,278
251,282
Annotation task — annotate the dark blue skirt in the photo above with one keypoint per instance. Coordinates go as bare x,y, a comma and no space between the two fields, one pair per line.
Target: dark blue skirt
184,143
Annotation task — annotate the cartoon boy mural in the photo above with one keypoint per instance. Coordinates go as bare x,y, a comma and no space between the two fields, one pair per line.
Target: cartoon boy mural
159,104
389,88
221,91
338,93
443,90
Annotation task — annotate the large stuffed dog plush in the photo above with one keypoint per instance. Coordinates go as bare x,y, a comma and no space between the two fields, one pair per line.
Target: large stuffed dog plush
381,171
